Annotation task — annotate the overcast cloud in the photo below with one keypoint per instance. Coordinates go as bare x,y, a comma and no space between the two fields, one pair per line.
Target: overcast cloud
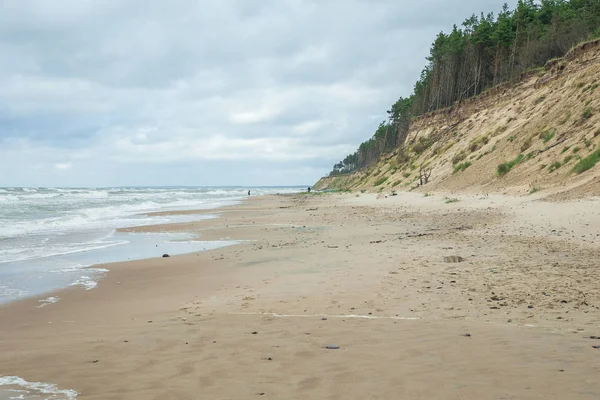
222,92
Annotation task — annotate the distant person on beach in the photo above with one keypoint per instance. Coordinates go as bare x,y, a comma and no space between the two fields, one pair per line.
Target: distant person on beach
309,189
248,193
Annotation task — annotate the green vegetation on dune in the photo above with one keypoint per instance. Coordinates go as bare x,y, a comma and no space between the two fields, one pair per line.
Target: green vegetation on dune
423,143
547,135
505,167
461,167
458,157
478,143
587,162
381,181
554,166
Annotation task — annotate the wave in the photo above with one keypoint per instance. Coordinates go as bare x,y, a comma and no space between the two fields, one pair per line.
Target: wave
37,388
76,268
34,253
30,216
101,216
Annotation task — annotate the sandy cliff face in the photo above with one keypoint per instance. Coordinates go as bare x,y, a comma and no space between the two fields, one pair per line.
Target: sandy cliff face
512,139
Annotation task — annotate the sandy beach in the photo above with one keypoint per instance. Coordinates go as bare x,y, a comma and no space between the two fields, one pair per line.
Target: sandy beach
427,297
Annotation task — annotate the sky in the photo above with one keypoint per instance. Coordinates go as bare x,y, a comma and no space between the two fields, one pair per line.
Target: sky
205,92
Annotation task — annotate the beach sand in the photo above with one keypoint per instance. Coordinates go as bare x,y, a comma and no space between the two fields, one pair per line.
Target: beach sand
376,277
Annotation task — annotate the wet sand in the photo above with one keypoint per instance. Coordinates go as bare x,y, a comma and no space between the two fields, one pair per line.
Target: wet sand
375,277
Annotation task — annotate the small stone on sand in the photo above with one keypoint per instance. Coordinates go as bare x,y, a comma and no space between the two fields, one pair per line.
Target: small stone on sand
453,259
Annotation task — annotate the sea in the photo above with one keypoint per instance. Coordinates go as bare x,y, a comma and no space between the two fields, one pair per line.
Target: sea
53,238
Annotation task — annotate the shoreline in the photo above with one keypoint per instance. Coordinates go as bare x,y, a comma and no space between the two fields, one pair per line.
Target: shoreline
189,227
368,275
133,249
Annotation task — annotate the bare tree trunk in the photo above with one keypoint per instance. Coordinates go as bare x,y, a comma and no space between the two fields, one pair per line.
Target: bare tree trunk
513,54
496,64
424,175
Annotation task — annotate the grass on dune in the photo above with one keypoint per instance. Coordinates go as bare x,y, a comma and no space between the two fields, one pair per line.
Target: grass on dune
587,163
505,167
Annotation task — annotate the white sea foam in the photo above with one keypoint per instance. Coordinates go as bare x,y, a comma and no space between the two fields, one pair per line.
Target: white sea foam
39,390
86,281
49,300
75,268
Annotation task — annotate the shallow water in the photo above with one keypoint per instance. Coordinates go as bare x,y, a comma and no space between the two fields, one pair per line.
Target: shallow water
35,277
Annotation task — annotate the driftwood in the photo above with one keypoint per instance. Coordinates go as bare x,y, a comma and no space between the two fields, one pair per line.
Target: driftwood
424,174
535,153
